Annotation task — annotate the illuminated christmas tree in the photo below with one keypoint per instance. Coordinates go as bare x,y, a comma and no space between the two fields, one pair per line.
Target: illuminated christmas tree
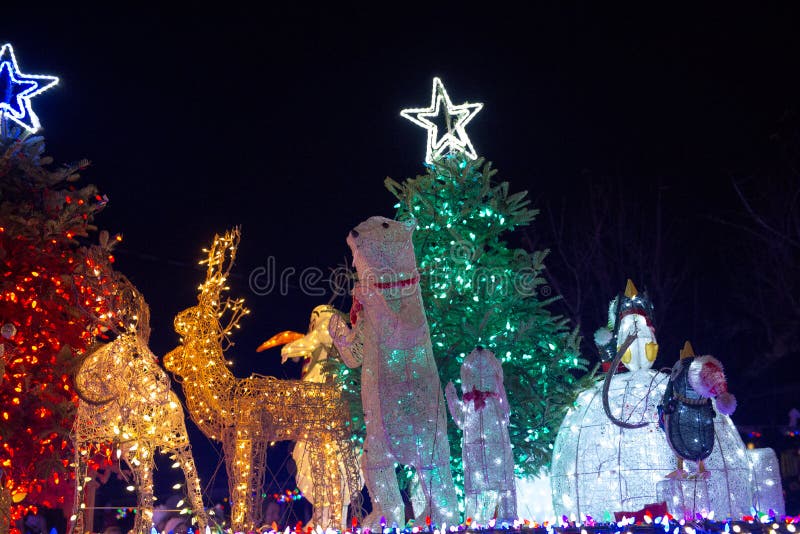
55,297
479,290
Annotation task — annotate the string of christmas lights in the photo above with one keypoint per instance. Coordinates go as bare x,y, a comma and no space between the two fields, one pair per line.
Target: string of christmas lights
127,401
247,414
56,298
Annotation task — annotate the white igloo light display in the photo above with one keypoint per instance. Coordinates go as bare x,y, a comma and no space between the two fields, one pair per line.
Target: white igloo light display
599,467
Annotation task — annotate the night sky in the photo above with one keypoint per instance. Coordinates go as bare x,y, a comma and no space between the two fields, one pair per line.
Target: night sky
287,122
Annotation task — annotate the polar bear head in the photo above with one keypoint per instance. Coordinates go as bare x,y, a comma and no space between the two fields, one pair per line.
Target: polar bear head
383,253
482,371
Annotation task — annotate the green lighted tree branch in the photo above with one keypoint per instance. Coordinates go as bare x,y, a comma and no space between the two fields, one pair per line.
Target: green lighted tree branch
479,290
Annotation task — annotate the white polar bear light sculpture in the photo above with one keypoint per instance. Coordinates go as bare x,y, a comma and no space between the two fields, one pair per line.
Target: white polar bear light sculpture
404,408
482,415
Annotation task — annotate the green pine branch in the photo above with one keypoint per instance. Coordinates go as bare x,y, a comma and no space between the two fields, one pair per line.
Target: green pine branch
478,290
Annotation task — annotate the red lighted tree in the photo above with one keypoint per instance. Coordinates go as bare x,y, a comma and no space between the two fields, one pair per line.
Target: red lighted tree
56,297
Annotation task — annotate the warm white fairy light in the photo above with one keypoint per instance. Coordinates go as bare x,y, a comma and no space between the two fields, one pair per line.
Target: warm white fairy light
482,415
127,402
326,489
246,414
455,139
599,466
18,109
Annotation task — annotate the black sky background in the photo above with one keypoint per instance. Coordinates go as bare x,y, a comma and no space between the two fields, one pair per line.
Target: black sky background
286,121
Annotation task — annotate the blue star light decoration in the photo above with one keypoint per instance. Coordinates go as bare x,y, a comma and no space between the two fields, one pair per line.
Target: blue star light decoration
16,91
455,139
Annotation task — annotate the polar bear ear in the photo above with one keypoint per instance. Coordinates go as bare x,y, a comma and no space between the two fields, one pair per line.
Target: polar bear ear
409,224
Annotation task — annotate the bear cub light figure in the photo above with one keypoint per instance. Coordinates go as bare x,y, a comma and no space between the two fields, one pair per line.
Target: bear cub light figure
404,409
482,415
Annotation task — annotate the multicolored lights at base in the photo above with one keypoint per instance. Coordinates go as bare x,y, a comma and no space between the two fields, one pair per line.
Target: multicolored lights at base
667,524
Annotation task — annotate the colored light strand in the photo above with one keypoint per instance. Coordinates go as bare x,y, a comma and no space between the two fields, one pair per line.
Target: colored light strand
247,414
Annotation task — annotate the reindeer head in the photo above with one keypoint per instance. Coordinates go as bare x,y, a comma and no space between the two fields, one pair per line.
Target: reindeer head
126,362
205,328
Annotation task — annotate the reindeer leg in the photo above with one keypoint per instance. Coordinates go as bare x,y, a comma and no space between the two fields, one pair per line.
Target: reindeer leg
336,500
327,491
78,508
184,457
321,487
238,457
351,481
143,477
245,464
258,474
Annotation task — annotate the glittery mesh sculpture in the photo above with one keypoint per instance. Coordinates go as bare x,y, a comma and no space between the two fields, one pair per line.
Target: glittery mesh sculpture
482,415
599,466
629,313
127,401
313,348
767,488
245,414
686,497
687,414
404,409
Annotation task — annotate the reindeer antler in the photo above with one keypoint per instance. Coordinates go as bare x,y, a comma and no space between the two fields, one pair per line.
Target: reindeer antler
219,263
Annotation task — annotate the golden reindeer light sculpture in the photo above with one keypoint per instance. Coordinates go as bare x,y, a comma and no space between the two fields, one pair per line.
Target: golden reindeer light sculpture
126,401
245,414
315,347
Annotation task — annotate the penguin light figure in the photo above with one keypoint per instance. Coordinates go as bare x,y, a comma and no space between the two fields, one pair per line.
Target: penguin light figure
686,410
601,466
629,313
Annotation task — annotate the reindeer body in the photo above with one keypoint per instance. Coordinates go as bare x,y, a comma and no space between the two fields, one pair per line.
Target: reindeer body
245,414
314,348
126,400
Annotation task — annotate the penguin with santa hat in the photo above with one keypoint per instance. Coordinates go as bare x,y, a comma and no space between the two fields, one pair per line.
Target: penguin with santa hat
687,412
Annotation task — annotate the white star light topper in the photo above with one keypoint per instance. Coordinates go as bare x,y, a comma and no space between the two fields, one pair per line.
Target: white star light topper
455,118
17,89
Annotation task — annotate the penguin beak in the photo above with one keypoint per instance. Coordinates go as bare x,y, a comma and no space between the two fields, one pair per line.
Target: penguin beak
627,357
651,351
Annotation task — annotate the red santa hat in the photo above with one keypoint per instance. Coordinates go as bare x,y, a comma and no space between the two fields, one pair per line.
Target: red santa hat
707,377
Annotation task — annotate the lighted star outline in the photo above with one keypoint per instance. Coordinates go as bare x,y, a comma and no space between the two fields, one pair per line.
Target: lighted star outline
22,113
456,118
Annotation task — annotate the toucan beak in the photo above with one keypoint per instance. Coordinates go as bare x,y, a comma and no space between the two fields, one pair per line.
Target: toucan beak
287,336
